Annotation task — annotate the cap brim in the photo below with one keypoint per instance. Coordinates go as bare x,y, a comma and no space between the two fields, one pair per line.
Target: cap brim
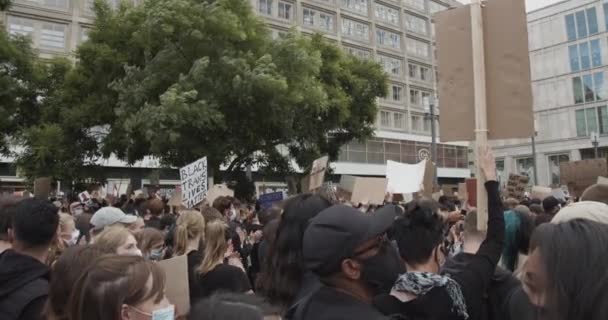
382,219
128,219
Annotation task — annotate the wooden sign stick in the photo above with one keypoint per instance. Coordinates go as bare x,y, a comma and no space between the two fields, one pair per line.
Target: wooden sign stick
481,120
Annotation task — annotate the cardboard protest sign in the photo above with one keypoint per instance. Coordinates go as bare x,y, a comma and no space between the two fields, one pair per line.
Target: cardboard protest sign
462,191
405,178
507,71
268,199
194,182
176,199
317,173
579,175
540,193
84,196
471,192
602,180
363,190
42,188
176,286
428,181
516,186
218,190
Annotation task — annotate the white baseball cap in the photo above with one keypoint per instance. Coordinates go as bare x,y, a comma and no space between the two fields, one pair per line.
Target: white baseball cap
108,216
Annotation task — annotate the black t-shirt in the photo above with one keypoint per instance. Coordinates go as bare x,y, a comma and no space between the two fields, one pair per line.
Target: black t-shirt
420,308
223,278
330,304
194,260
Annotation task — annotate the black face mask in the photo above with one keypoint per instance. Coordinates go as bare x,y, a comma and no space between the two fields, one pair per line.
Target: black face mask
382,270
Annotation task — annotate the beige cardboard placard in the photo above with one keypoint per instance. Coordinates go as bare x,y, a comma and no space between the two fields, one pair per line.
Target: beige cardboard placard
579,175
540,193
507,67
176,199
462,191
364,190
218,190
42,188
516,186
317,173
428,182
176,284
602,180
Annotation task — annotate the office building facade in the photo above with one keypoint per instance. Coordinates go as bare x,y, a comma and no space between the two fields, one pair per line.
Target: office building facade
569,57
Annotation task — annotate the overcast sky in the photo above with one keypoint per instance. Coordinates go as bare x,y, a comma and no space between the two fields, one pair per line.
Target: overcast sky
530,4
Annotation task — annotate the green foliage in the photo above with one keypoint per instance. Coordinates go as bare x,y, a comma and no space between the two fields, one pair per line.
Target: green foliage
183,79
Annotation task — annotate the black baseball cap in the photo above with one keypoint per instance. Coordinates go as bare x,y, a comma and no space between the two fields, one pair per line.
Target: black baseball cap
335,233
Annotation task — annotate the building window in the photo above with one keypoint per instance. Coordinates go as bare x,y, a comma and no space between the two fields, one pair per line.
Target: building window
591,120
416,24
525,166
554,163
355,29
84,34
424,74
319,20
414,96
589,88
417,47
21,26
592,21
581,24
574,60
388,39
45,35
596,53
397,91
385,119
358,53
500,172
584,53
391,66
53,36
416,123
435,7
571,26
285,10
398,120
355,5
416,4
412,70
387,14
58,4
425,97
265,7
605,16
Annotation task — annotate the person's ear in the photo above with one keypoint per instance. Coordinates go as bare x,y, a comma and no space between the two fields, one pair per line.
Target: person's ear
351,269
124,313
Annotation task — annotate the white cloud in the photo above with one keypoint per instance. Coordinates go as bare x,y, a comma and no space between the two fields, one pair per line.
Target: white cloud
530,4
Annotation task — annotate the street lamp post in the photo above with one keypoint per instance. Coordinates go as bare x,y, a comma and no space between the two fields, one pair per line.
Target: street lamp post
595,142
535,172
429,105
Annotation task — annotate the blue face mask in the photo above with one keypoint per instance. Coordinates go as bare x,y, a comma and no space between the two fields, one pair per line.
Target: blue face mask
167,313
156,254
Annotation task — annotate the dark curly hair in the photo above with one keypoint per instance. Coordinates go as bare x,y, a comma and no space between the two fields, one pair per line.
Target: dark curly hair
418,231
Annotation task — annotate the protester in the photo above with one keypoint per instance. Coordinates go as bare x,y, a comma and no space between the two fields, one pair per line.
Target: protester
24,277
154,211
551,205
213,275
7,210
565,275
137,226
519,225
151,243
591,210
67,236
511,203
110,216
120,288
117,240
596,192
536,210
188,236
285,279
422,292
66,271
231,306
210,214
349,252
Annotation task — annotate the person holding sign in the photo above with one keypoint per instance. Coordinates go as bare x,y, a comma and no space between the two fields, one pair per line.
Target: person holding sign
424,292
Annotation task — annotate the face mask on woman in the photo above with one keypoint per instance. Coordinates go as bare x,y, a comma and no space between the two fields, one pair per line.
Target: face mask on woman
74,239
156,254
167,313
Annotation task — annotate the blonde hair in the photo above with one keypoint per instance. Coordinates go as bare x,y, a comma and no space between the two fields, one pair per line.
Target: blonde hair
147,238
215,245
189,225
65,219
111,238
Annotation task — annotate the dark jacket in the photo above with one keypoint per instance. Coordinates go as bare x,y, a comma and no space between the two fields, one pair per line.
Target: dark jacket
474,278
24,286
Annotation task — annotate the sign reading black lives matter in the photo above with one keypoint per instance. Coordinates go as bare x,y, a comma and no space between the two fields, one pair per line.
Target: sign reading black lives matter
194,182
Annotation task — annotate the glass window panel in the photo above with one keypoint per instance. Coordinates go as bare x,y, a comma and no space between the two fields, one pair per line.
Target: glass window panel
571,26
598,89
581,124
416,4
596,53
375,146
285,10
574,61
577,90
592,20
554,166
525,166
265,7
308,17
581,24
19,26
585,56
385,119
356,146
393,147
52,36
591,115
588,87
602,113
606,15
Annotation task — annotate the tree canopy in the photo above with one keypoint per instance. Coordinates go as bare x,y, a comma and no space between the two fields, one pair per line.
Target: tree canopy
183,79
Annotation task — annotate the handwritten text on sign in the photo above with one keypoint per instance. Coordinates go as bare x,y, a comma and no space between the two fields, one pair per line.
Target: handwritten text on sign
194,182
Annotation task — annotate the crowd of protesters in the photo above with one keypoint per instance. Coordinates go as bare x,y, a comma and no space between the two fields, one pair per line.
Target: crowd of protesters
313,257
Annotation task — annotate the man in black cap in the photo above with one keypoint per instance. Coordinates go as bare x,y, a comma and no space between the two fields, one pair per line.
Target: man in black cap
352,256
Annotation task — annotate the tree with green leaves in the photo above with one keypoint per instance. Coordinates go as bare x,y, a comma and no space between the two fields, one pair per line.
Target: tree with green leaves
183,79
